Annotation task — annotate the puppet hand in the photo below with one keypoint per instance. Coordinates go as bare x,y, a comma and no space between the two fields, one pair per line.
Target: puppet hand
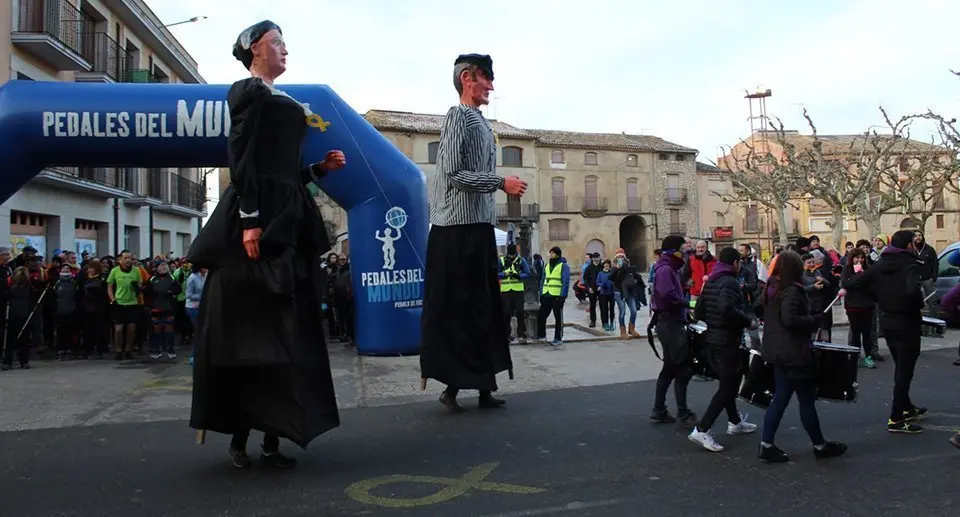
333,161
514,186
251,242
842,293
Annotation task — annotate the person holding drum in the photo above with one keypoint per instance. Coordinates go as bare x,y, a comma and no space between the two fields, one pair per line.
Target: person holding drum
722,307
788,346
859,304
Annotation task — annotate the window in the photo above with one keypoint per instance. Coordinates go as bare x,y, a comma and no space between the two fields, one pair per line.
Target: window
432,152
721,219
590,159
752,221
946,270
633,196
590,187
556,156
512,157
674,217
558,194
23,77
559,229
631,160
680,158
939,221
664,156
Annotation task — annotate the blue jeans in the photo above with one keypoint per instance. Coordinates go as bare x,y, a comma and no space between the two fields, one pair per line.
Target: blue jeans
784,388
193,313
622,304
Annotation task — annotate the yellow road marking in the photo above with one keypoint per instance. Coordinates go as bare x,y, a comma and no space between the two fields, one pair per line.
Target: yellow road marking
453,488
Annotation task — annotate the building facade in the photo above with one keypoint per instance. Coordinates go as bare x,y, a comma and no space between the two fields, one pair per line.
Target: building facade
102,210
588,192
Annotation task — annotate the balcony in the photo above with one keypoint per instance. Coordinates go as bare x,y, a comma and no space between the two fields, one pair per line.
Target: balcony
95,181
53,31
165,191
677,229
108,60
633,204
516,212
141,75
676,196
594,206
559,203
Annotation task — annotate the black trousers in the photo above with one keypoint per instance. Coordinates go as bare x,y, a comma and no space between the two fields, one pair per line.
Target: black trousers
513,306
550,304
344,308
677,365
239,442
96,333
904,347
607,313
593,307
20,346
725,398
861,330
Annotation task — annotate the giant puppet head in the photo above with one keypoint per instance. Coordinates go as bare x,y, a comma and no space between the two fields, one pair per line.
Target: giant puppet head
261,47
473,78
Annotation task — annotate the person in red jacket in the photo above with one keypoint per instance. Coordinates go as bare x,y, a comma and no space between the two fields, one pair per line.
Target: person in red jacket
701,265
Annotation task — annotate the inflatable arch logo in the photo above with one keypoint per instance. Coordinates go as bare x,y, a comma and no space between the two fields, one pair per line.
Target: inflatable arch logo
45,124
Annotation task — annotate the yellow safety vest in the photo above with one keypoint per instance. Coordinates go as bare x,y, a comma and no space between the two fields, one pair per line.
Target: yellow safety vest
510,284
553,279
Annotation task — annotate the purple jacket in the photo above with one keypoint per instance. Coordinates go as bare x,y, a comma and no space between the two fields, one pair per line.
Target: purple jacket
951,301
668,299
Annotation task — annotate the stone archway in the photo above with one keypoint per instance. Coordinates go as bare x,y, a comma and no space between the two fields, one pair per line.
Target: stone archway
633,240
596,246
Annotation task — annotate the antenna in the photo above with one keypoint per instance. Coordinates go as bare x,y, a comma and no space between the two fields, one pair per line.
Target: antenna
760,98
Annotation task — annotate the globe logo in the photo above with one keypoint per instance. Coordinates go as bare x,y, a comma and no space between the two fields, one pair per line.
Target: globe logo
396,218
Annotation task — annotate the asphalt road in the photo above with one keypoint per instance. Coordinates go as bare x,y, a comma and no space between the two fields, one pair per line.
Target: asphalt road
577,452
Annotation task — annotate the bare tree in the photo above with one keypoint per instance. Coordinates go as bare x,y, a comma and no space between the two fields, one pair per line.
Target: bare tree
923,173
759,175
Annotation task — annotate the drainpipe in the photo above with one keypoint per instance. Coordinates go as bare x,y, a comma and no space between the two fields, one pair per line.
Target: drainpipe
150,230
116,226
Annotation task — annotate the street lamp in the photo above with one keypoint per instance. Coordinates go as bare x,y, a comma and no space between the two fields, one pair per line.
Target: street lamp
191,20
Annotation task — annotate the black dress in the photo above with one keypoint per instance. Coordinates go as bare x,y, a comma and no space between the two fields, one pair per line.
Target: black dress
261,362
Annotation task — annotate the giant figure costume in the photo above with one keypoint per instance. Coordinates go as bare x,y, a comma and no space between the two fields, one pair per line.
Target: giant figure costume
261,361
465,341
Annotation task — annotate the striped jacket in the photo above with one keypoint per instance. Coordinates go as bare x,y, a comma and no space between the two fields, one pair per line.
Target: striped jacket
466,177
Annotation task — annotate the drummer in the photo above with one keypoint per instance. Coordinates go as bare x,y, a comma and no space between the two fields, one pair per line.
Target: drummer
722,307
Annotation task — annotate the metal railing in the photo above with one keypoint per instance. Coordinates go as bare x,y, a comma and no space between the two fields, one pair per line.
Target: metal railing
594,204
518,211
186,192
676,196
56,18
106,55
142,75
100,175
677,228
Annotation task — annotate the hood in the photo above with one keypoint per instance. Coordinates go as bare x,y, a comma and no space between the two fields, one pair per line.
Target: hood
895,259
669,260
721,269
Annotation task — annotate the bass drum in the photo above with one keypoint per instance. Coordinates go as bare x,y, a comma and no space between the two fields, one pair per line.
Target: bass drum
758,387
837,371
698,348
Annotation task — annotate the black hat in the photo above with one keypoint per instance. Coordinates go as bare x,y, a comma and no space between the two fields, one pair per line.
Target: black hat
483,61
729,255
252,34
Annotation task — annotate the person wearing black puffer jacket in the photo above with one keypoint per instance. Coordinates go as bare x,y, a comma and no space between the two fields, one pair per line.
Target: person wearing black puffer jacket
788,346
860,305
895,279
722,307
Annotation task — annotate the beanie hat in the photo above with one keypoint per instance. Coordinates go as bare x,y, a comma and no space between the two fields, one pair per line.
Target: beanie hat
620,253
883,238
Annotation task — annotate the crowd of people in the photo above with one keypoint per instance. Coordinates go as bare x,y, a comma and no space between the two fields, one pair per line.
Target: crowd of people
85,308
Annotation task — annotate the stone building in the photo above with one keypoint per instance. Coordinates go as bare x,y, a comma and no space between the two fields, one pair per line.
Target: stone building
587,191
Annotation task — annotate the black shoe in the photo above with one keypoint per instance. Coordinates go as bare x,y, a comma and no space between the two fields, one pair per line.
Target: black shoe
773,454
687,418
277,460
450,402
240,458
830,450
662,416
5,367
24,366
903,427
917,413
119,356
877,357
489,402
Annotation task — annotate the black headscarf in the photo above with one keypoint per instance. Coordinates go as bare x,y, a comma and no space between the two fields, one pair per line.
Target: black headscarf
242,48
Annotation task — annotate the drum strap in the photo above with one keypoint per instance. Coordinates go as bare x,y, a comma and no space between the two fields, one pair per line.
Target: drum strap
650,327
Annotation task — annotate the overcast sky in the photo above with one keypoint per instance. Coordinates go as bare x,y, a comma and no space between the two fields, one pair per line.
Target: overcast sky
677,70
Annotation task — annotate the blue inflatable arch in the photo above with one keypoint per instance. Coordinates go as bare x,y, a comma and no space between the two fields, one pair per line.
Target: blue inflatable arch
44,124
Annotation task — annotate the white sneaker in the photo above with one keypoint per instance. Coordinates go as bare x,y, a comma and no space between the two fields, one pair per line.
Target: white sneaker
743,427
171,355
705,440
155,356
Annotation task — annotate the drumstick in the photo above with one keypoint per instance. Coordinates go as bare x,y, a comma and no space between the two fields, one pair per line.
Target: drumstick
929,296
831,304
201,437
423,383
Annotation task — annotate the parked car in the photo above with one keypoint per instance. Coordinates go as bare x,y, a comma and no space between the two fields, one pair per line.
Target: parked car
947,277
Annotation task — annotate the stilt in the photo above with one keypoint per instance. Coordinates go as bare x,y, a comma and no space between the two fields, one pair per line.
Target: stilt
423,383
201,436
510,371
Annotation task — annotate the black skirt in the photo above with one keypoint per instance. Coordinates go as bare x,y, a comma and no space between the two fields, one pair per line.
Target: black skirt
465,341
261,361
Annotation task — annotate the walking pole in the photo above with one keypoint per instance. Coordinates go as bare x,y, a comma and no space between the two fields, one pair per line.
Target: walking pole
6,322
34,311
